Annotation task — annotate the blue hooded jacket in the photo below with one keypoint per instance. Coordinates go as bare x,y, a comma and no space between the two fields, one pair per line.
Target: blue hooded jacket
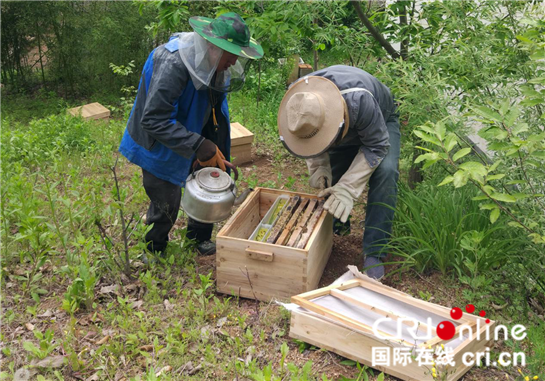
164,128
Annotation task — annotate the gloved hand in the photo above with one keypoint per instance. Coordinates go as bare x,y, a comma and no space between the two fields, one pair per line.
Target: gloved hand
339,203
209,155
320,171
351,185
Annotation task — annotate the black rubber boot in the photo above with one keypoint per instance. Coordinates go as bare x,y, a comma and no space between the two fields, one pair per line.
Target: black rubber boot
206,248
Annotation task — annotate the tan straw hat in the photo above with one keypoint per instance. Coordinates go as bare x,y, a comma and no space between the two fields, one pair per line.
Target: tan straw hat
312,117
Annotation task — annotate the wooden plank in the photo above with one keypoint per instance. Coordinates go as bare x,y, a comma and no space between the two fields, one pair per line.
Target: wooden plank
241,221
309,227
233,252
469,344
405,298
259,255
260,280
245,225
283,219
239,286
289,227
352,300
326,312
326,290
319,249
302,222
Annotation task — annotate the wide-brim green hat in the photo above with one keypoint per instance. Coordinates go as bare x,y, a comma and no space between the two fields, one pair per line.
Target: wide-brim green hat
229,32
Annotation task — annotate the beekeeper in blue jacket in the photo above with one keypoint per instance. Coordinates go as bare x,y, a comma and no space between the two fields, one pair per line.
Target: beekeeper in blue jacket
345,123
181,115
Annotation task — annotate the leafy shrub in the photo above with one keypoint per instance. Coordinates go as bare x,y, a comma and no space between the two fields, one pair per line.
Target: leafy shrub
45,138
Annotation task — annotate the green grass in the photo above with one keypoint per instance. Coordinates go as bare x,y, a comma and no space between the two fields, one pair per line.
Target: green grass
442,229
57,184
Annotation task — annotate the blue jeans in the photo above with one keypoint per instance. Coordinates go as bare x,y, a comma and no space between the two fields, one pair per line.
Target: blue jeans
382,190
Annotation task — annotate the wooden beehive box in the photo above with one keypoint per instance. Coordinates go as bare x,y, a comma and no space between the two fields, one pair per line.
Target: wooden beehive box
241,144
305,69
91,111
340,318
264,271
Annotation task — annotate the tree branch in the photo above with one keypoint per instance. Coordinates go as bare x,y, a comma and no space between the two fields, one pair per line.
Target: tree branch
374,32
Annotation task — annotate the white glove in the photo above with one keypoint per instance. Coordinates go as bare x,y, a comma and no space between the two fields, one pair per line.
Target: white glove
351,185
320,171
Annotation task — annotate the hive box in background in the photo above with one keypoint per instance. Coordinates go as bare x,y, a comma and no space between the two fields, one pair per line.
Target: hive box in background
91,111
241,144
264,271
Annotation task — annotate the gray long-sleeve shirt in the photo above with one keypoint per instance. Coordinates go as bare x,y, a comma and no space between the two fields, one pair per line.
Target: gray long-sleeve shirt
368,110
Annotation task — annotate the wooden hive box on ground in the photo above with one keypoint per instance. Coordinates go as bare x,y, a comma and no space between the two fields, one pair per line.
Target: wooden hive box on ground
91,111
340,318
241,144
263,271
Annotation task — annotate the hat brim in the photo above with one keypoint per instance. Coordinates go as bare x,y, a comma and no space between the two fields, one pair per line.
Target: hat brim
335,118
200,25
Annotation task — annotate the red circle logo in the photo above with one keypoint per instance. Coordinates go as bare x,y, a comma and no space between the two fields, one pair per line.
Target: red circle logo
456,313
446,330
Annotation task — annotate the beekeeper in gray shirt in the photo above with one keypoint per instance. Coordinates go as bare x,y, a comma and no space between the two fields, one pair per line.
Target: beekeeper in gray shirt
344,122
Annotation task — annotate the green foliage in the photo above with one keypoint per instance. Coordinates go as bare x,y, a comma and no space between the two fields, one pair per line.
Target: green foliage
45,347
510,180
170,16
440,229
287,371
45,139
536,336
289,27
81,292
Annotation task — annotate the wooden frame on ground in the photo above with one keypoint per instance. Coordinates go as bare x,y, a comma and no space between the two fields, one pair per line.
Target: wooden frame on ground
348,337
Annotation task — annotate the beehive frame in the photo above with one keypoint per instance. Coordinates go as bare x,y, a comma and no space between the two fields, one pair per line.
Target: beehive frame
350,338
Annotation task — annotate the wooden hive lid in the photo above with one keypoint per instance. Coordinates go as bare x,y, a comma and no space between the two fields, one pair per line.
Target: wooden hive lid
240,135
91,111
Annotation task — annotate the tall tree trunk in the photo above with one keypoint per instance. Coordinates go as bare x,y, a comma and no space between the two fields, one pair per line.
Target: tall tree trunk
40,53
403,25
374,32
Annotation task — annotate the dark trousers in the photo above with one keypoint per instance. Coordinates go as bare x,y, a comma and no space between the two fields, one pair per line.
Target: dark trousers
165,200
381,199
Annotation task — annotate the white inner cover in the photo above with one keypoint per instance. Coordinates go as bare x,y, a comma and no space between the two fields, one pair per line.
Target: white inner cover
369,318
